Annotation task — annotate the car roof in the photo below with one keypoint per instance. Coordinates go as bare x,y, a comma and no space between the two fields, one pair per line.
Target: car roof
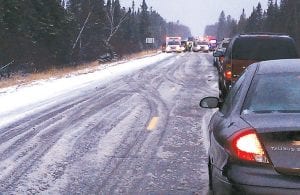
226,40
271,35
279,66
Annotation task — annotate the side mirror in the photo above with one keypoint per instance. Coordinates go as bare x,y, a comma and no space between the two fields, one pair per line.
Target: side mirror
210,102
218,54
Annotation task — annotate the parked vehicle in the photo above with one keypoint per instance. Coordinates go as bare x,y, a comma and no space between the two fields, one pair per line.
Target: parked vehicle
200,46
204,46
222,46
184,46
163,47
246,49
212,44
255,135
196,47
173,44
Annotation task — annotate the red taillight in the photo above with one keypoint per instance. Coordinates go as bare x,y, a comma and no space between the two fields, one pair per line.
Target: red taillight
228,75
221,59
246,146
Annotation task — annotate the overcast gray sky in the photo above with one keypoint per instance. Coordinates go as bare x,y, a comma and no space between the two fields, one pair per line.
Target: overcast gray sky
196,14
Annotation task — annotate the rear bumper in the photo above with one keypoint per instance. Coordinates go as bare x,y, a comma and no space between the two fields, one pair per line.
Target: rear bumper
252,180
244,189
224,188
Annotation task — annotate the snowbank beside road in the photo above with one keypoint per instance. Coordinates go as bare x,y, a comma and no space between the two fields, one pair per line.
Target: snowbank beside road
16,102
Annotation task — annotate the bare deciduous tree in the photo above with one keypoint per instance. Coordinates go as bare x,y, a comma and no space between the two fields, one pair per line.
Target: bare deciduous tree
113,26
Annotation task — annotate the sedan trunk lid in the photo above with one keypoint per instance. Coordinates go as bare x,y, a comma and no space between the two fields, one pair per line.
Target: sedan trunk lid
280,136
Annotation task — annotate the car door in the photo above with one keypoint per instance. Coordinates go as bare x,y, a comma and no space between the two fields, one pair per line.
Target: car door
221,121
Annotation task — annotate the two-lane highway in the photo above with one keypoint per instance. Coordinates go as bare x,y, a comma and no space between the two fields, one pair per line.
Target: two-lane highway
142,133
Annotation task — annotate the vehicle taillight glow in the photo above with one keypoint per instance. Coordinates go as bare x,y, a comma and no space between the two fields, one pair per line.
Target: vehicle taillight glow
246,146
221,59
228,75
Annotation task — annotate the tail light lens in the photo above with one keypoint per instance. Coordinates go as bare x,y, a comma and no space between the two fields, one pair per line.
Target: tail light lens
221,59
228,74
245,145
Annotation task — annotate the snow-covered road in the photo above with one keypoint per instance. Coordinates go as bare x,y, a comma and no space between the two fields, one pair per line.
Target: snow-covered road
17,101
131,128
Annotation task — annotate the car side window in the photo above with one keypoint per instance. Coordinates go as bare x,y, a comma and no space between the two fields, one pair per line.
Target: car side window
229,100
228,50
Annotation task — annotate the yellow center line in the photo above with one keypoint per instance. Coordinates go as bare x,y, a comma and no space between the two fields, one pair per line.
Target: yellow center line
153,123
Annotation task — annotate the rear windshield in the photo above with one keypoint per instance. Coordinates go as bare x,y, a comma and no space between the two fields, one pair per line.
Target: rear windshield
225,45
263,48
174,43
202,43
274,93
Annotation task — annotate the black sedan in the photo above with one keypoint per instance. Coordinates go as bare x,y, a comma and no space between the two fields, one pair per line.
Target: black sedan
255,134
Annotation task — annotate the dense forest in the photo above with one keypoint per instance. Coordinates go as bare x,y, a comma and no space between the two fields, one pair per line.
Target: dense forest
279,17
40,34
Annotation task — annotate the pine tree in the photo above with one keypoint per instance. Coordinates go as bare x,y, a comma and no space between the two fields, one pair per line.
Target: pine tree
144,23
242,22
255,21
42,34
117,12
221,26
35,32
260,18
290,13
52,31
231,27
90,19
270,20
108,5
211,29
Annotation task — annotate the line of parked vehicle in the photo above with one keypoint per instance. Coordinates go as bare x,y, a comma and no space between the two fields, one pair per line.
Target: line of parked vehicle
176,44
255,134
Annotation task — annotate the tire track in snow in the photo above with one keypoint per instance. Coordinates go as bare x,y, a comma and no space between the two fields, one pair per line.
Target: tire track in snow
80,145
101,146
52,138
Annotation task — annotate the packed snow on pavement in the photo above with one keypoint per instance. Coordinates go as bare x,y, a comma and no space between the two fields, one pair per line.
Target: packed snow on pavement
18,101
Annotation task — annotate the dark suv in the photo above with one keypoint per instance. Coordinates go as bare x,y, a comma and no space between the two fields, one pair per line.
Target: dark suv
245,49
